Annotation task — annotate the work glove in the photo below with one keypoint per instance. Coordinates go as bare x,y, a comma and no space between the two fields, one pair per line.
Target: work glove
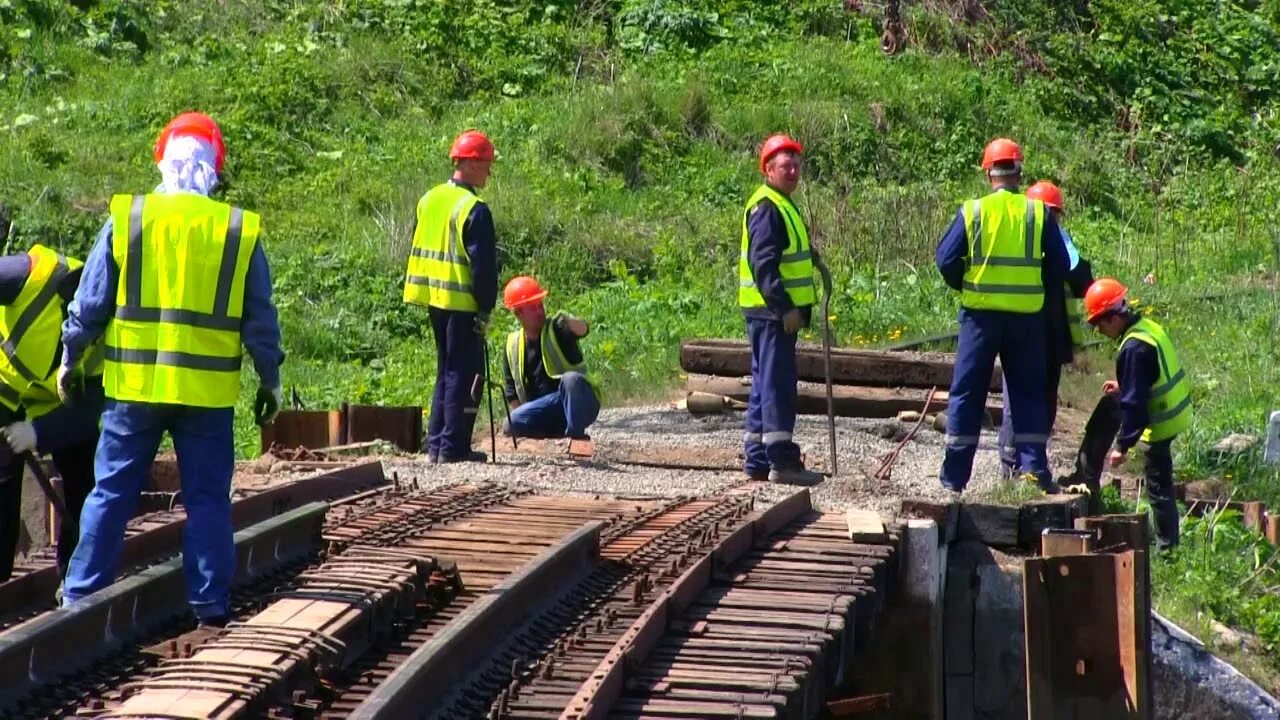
792,321
68,384
266,406
482,324
21,437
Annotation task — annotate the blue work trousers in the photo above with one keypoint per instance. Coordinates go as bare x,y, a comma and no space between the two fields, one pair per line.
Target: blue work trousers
771,406
567,412
459,383
1019,341
131,434
1009,453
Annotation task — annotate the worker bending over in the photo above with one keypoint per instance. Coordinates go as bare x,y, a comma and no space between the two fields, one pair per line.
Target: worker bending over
776,293
453,271
1064,325
175,283
547,386
35,288
1001,252
1150,398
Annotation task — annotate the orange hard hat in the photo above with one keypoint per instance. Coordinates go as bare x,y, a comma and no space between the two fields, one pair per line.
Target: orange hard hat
1105,295
1047,193
193,124
776,144
471,145
1000,150
522,290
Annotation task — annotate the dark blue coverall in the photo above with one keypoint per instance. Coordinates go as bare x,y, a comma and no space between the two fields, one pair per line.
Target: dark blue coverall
771,405
459,348
1019,340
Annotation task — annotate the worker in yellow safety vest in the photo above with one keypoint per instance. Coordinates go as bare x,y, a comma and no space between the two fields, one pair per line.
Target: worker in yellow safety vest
453,271
35,288
1064,325
776,293
1000,253
1150,399
177,285
546,383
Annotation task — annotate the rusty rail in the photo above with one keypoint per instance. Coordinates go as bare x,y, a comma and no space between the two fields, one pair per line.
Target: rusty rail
154,537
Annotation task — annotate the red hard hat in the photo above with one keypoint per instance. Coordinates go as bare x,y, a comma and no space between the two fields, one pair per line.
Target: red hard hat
522,290
1000,150
1047,193
776,144
1103,296
194,124
471,145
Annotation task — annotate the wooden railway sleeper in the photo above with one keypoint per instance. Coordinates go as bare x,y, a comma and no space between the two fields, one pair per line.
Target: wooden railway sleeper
269,673
321,640
212,682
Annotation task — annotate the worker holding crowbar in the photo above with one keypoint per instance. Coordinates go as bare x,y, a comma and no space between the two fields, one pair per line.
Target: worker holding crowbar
776,294
35,288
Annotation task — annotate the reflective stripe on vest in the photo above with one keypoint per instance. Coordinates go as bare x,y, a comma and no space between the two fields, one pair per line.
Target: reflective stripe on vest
1075,318
1169,407
30,330
796,265
554,360
1004,232
175,335
439,273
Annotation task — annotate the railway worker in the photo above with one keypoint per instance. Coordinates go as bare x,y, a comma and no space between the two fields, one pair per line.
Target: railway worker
35,288
1000,253
546,382
175,284
776,293
1150,395
453,271
1064,324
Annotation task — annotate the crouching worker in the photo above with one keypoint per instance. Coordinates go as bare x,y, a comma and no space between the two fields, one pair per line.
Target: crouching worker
547,385
1149,401
35,288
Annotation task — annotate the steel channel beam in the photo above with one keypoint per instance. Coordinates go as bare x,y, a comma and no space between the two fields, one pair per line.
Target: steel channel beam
67,640
607,682
36,589
433,671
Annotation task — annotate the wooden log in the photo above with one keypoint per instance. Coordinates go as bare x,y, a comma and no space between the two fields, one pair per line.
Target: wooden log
848,366
994,525
849,400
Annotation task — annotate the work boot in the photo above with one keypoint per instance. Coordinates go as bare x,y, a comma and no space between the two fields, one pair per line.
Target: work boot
215,621
473,456
795,476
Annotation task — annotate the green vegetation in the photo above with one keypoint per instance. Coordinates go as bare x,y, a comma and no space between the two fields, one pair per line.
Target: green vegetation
626,131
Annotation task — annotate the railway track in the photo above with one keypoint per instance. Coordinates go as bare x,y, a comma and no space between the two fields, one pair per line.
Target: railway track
479,602
155,536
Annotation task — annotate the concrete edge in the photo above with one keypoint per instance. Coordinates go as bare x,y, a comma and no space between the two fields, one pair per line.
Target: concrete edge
433,670
1224,681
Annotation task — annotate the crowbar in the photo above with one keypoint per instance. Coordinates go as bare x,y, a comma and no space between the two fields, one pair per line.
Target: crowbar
826,359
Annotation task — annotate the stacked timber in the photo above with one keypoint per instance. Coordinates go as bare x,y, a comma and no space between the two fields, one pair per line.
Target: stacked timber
866,383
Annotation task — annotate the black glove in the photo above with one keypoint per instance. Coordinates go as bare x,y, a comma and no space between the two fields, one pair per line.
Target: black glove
482,324
267,405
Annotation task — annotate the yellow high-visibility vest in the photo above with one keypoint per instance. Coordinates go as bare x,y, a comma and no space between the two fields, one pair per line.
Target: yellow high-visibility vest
554,359
1004,231
1169,407
175,335
796,266
439,273
30,330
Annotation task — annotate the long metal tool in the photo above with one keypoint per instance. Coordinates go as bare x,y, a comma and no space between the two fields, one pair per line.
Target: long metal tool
47,486
826,360
488,384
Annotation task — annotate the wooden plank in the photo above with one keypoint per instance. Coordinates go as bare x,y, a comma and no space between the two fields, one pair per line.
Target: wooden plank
1049,512
864,526
1055,542
851,707
848,366
995,525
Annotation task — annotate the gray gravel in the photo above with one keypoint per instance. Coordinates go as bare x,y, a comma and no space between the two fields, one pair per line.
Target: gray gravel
860,449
